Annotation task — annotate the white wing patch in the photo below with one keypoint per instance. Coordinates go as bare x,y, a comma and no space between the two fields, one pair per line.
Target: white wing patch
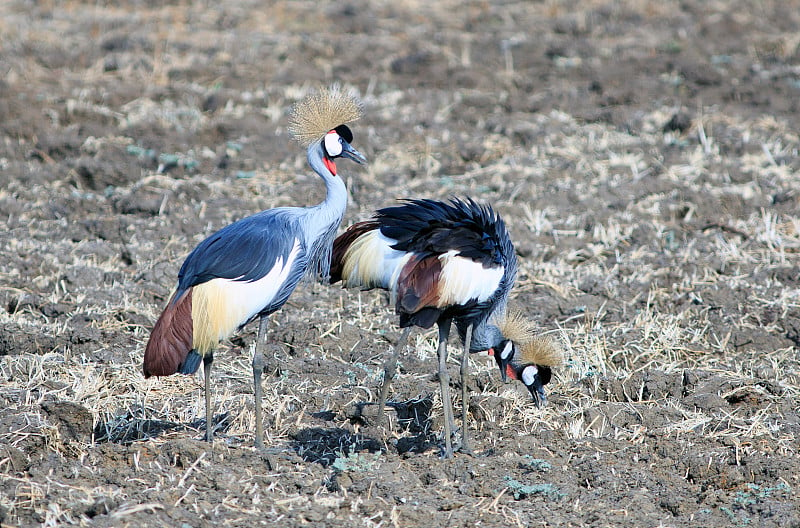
370,262
219,306
463,280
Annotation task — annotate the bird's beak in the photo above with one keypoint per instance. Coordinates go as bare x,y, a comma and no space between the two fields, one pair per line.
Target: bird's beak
350,153
503,374
538,394
535,378
502,365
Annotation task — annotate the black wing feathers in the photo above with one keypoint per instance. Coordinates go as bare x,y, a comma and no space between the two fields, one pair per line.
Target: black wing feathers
429,227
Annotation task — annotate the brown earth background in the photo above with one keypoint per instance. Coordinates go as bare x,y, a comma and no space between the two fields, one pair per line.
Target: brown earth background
643,155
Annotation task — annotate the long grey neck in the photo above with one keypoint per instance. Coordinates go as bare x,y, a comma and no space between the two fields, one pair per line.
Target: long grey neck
321,221
484,335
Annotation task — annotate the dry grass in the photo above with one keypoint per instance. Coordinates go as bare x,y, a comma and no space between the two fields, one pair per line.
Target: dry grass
665,261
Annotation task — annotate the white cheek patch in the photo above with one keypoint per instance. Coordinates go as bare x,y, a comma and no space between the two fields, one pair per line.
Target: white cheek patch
529,375
507,350
332,145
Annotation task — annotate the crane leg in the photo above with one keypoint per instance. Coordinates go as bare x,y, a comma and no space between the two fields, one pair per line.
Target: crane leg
389,369
444,383
465,447
208,359
258,369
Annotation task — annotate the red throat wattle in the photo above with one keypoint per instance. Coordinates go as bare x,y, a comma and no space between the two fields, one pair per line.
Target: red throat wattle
510,372
330,165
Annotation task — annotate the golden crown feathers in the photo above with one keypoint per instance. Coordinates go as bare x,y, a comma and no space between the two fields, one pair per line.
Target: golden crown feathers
321,112
533,348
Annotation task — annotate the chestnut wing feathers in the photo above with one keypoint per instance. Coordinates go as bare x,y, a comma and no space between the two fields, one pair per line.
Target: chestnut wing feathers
171,339
418,292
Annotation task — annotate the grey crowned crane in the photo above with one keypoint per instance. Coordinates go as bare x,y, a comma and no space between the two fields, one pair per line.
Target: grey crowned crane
444,263
248,269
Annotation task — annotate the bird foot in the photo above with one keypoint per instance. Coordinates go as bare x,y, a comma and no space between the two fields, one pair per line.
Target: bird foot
463,445
268,455
269,459
465,449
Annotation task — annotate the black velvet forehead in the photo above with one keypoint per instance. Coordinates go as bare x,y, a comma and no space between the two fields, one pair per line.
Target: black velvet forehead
344,132
544,374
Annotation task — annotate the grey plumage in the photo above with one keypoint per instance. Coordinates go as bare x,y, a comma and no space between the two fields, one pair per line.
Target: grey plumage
248,269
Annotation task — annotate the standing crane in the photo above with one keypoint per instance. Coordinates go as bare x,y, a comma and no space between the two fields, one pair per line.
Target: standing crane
248,269
444,263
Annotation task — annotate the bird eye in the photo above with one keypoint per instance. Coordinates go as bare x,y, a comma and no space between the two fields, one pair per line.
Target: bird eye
333,144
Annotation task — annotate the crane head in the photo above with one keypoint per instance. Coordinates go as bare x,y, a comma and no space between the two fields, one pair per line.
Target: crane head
320,121
322,113
528,357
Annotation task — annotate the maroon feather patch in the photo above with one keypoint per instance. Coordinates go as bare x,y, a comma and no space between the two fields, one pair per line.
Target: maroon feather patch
417,285
171,339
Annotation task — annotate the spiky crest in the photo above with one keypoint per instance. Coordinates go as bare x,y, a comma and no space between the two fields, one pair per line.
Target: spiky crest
542,350
321,112
514,326
533,348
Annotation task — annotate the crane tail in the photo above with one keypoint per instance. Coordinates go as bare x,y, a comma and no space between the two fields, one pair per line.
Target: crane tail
170,341
347,252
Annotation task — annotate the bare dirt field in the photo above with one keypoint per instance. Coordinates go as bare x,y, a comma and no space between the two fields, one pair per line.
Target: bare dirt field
643,154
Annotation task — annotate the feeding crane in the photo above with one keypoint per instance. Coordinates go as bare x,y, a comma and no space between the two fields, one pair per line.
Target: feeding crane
444,263
530,361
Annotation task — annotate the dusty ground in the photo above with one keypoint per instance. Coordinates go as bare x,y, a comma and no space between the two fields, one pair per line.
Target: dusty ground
643,154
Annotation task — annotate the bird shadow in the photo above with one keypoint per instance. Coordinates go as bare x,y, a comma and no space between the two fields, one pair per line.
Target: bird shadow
323,446
412,416
128,428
